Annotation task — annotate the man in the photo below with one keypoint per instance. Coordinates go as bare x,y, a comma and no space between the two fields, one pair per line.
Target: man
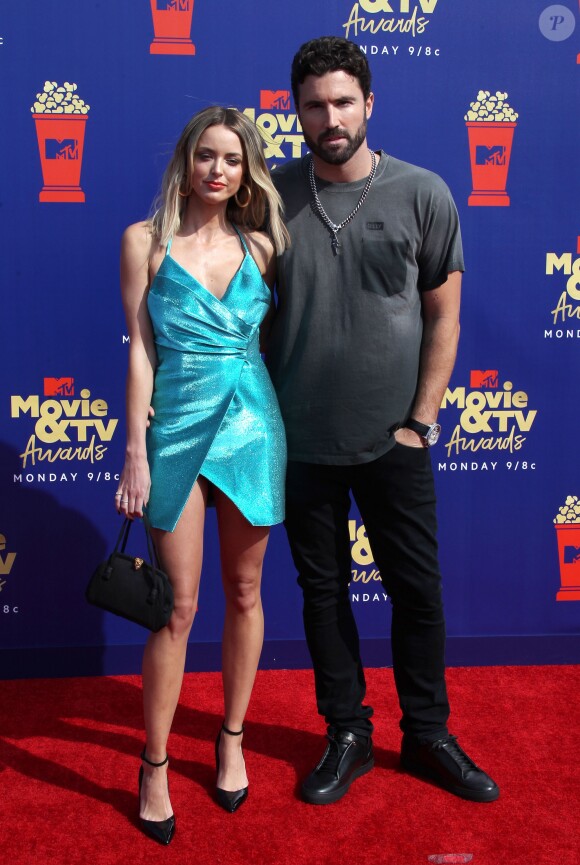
361,351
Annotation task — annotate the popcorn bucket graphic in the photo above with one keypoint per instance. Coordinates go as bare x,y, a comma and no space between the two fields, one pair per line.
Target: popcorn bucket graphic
60,144
172,26
490,148
569,555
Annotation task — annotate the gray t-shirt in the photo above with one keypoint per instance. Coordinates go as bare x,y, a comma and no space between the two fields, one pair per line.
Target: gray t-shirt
344,348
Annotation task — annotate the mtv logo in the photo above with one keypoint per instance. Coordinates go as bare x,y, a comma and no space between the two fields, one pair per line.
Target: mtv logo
173,5
483,378
571,555
61,148
59,386
494,155
279,99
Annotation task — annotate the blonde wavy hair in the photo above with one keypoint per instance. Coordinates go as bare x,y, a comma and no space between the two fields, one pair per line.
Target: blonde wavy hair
264,211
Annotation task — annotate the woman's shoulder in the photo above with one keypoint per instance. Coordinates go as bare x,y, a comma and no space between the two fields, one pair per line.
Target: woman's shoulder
262,251
139,235
260,246
139,243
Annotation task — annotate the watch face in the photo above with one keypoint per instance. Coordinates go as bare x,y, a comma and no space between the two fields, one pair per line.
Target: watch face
433,434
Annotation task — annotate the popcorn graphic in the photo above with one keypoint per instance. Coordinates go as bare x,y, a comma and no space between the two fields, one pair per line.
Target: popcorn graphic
60,116
567,523
490,108
59,100
490,125
569,512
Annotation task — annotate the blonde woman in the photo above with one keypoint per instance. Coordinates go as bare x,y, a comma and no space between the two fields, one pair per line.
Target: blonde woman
196,285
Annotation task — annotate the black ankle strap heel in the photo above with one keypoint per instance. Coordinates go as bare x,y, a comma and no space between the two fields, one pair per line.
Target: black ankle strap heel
149,762
230,801
231,732
160,830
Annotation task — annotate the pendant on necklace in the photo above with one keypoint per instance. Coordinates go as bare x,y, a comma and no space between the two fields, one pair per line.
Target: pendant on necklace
333,227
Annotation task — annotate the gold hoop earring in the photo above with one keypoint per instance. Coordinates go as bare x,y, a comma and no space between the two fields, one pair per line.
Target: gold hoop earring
245,204
184,182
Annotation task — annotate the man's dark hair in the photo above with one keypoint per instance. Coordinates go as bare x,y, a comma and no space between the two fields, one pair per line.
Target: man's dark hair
330,54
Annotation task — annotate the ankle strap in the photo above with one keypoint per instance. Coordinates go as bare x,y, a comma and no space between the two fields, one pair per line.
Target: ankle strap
231,732
150,762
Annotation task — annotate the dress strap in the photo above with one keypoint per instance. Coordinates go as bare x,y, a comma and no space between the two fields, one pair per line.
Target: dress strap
242,240
168,248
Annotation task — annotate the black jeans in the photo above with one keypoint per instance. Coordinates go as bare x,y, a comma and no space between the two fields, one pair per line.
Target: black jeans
396,499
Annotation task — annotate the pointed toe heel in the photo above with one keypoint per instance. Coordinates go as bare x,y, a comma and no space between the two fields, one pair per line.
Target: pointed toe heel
230,801
161,831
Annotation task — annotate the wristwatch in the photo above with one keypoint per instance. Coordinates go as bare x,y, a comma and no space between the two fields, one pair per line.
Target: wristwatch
429,433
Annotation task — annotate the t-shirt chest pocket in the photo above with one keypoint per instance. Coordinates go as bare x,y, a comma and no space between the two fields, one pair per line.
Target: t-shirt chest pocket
384,264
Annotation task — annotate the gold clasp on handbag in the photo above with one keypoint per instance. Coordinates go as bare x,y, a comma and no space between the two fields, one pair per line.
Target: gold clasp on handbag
137,563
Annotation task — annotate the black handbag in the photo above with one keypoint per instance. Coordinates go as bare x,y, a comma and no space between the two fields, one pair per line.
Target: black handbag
131,587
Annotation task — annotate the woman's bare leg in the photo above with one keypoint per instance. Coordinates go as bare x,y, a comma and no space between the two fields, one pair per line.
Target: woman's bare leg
242,549
181,554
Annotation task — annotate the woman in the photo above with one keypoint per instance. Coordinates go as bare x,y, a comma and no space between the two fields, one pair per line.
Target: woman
196,284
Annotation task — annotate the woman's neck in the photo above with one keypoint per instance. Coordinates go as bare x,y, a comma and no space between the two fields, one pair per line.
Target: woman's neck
208,223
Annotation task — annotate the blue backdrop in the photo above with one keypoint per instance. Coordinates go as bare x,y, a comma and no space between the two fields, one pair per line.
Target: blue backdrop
93,98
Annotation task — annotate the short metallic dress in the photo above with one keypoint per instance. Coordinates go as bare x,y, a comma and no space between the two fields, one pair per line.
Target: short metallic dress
216,413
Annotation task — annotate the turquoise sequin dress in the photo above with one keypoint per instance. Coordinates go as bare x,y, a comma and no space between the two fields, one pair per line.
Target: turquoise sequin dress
216,413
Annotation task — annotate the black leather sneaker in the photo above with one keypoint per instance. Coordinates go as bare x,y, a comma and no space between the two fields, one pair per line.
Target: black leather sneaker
346,758
449,766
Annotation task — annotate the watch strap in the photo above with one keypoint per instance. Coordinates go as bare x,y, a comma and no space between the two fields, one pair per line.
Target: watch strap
420,428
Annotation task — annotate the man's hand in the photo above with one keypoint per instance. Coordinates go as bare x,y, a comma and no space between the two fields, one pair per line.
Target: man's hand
408,438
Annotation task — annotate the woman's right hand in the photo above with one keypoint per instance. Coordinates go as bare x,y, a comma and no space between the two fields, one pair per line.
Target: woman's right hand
133,488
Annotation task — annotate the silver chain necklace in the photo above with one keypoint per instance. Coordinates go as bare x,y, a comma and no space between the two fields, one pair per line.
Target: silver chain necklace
332,226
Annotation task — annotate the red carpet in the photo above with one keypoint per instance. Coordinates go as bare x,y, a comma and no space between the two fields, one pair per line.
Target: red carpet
68,775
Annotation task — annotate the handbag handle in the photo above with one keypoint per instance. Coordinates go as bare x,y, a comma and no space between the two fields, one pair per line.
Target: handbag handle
124,537
153,555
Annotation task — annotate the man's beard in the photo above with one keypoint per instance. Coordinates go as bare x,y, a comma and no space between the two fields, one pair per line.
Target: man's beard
342,155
